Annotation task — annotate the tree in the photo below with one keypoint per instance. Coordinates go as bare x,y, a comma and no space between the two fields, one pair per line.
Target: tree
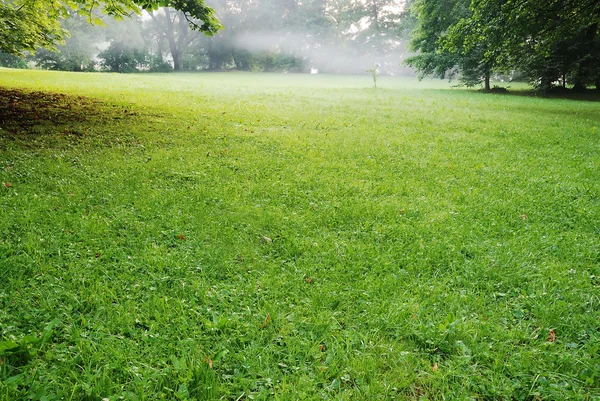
121,58
78,51
28,25
128,47
443,38
170,26
12,61
547,40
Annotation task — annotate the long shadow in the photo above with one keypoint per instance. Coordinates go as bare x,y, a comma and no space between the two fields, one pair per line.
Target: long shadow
556,109
30,117
590,95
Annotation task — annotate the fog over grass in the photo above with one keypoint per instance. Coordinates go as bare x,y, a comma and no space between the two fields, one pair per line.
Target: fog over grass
324,56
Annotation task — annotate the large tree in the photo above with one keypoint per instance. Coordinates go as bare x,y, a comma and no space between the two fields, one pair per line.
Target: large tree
26,25
440,39
546,40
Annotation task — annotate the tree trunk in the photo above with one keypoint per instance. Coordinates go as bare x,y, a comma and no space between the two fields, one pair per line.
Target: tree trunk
182,41
175,51
579,87
177,60
597,83
487,86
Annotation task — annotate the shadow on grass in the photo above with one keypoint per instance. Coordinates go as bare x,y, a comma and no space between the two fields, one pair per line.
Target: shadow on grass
55,119
590,95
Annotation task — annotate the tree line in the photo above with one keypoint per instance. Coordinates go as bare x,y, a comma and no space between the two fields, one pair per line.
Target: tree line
553,44
259,35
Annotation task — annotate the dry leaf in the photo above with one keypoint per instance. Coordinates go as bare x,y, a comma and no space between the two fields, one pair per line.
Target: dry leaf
308,280
266,239
524,216
322,347
435,367
266,322
209,361
7,184
551,336
181,237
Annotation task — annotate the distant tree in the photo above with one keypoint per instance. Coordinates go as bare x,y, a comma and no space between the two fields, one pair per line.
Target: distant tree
11,61
170,27
78,51
127,49
121,58
382,25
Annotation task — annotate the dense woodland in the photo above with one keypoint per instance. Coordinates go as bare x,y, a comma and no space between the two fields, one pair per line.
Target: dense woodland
552,44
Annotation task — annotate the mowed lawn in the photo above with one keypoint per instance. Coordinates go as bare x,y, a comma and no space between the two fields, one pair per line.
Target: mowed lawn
284,237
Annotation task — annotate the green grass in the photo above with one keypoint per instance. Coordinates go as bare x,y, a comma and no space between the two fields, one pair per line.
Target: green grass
250,237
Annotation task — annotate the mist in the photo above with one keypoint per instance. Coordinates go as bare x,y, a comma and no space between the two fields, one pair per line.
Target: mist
325,57
331,36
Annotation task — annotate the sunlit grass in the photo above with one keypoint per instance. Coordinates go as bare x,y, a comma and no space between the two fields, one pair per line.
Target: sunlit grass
248,236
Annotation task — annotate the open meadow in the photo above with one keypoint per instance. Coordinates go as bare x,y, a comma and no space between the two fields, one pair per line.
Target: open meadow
237,236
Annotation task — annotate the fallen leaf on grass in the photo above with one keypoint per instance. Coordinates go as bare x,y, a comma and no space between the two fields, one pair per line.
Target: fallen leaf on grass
7,184
209,362
308,280
435,367
524,216
266,322
266,239
551,336
181,237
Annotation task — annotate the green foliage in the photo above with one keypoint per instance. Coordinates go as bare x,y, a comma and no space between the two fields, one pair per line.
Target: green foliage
119,57
546,41
78,51
26,26
286,236
11,61
157,64
29,25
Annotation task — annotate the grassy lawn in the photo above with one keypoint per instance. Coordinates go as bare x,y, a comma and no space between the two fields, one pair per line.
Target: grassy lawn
251,237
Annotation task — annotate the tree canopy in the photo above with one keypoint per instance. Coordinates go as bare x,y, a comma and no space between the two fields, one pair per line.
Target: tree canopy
26,25
547,41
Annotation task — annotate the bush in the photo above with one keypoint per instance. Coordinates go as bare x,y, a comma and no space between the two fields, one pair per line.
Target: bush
11,61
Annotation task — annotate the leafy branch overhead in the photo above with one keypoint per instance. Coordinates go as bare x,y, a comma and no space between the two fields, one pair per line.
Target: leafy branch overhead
27,25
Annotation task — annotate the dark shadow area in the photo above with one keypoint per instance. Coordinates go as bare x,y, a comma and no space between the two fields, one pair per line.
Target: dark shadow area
54,119
589,95
21,111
